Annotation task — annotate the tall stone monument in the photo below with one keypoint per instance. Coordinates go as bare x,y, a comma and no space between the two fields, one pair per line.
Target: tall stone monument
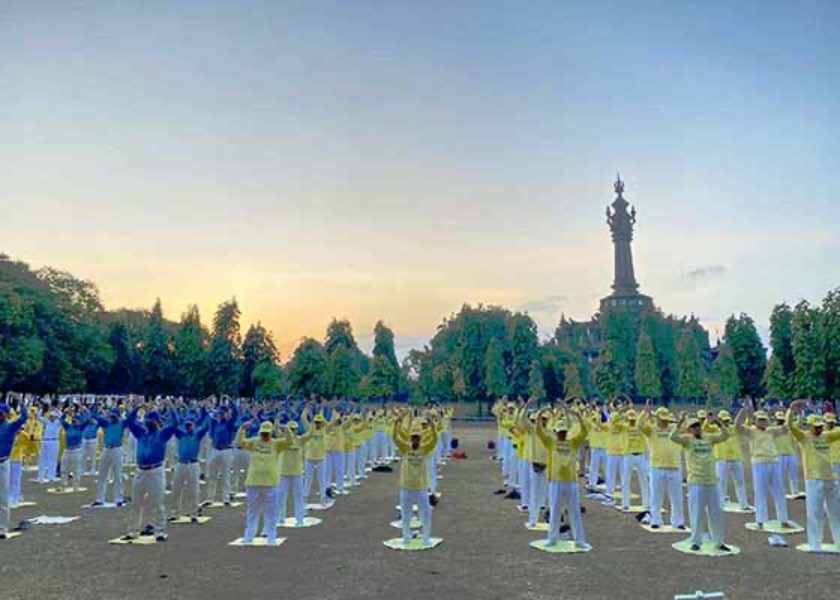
625,296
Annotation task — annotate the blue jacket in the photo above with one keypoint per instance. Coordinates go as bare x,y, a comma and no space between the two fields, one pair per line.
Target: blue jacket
8,431
189,444
73,432
113,431
151,445
222,432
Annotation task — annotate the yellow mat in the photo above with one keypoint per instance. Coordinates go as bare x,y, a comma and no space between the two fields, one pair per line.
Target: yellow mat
66,490
292,523
414,545
10,535
665,529
537,527
24,504
414,507
413,524
734,507
776,527
706,549
185,520
105,505
319,506
143,540
221,505
633,508
561,547
257,543
618,495
824,549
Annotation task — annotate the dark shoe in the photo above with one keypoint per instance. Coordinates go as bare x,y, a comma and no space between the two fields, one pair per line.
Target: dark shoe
193,519
171,519
161,537
724,548
128,537
97,503
695,548
681,527
148,530
3,536
655,526
226,503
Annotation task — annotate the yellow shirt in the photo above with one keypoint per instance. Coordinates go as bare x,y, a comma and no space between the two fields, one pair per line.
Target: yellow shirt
834,451
731,448
700,455
664,454
291,459
263,469
634,440
335,437
762,444
316,447
816,452
562,456
616,445
414,472
597,435
784,444
536,452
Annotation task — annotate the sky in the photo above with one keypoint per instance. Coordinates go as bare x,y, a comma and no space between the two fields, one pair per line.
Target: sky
395,160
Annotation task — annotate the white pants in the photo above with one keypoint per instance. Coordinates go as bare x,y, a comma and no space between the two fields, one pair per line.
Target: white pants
538,494
130,450
508,455
822,498
704,500
72,461
662,482
296,483
318,467
16,470
525,482
110,466
48,461
767,481
261,501
564,495
614,468
218,465
735,468
637,463
89,455
513,470
789,471
148,494
361,459
336,469
447,443
185,495
431,472
408,498
597,463
5,505
380,448
350,467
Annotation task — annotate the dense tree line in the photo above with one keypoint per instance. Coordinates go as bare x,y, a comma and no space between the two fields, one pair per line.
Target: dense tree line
56,336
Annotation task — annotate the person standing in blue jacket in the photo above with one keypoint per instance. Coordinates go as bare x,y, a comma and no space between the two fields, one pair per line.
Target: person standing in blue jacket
111,461
222,434
89,443
149,486
8,433
74,426
185,482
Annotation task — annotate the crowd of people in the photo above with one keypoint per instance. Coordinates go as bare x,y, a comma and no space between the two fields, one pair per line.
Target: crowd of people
544,451
271,452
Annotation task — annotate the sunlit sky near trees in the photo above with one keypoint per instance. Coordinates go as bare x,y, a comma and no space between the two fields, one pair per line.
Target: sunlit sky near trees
395,160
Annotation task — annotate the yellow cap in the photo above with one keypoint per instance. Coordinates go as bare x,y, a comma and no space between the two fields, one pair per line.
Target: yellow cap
815,421
701,414
416,430
724,415
561,425
292,425
761,415
661,412
319,418
266,427
779,414
692,422
830,418
631,415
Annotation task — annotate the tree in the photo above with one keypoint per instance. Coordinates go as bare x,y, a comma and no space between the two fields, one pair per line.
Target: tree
495,377
225,356
749,354
126,374
809,375
572,380
689,367
781,338
257,347
831,339
648,384
268,380
342,374
524,349
157,358
608,373
726,385
536,383
339,335
190,356
385,370
775,381
307,369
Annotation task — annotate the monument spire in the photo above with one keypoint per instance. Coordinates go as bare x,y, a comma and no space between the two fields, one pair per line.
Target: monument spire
621,224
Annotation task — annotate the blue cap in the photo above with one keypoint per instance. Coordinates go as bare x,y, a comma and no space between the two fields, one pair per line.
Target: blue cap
115,412
153,416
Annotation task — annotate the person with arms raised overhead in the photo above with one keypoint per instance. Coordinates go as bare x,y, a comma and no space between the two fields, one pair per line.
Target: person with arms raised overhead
415,446
8,434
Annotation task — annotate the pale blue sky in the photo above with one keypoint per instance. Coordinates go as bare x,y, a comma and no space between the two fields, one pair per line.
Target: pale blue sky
393,160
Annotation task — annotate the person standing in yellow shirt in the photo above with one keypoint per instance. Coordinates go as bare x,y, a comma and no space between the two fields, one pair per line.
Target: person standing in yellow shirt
563,488
635,459
665,471
597,445
703,495
830,420
789,467
262,480
822,490
536,456
291,474
767,477
615,453
335,451
414,475
730,461
316,456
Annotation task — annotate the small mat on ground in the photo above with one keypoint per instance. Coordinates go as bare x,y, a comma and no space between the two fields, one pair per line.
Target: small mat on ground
221,505
292,523
537,527
257,542
104,505
319,506
775,527
143,540
633,508
706,549
561,547
414,523
665,529
734,507
824,549
10,535
64,490
414,545
187,520
45,520
23,504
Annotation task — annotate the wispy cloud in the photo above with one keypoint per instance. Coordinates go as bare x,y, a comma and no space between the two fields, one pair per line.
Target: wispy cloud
705,273
549,304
